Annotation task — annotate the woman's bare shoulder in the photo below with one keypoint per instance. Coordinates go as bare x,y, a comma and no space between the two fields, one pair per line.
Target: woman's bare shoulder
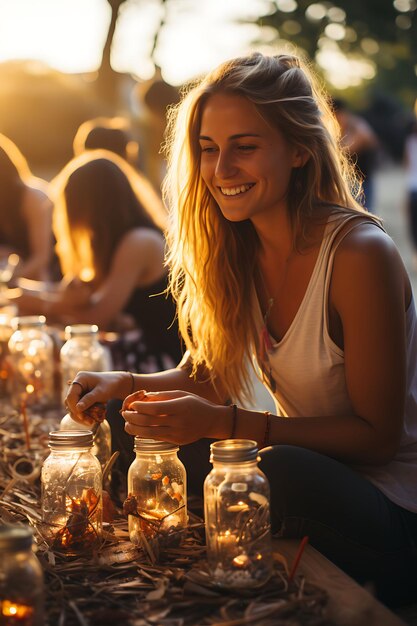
36,199
145,238
368,255
367,239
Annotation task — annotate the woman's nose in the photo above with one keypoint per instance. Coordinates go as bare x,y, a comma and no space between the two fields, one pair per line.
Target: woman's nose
225,166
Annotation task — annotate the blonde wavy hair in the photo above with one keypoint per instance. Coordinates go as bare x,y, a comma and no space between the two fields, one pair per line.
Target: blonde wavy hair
212,261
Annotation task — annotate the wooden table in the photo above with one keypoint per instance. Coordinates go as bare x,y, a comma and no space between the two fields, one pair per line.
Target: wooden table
349,603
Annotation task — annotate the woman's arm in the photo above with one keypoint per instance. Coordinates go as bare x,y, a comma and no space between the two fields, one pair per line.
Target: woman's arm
37,211
369,294
92,387
138,260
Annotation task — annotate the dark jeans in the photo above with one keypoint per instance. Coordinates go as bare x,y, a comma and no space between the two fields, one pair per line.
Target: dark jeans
346,517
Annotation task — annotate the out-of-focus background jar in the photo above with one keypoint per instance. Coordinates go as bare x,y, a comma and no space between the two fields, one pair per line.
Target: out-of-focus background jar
21,578
7,313
82,351
31,362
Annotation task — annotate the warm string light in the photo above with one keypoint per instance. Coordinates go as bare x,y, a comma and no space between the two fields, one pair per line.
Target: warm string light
15,614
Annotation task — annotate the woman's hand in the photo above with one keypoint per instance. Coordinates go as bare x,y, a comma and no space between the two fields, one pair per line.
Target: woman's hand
88,388
76,292
175,416
28,302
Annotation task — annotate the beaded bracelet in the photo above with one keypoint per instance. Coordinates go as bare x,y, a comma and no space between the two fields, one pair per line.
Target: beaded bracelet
265,441
234,421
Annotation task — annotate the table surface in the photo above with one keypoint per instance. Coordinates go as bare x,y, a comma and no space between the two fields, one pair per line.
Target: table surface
349,603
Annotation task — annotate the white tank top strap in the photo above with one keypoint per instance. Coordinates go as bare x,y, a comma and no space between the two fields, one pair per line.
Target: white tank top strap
333,241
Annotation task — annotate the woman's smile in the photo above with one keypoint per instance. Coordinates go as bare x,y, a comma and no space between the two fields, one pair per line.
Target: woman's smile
236,191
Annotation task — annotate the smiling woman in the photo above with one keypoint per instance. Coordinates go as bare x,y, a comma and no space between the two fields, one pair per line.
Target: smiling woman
271,255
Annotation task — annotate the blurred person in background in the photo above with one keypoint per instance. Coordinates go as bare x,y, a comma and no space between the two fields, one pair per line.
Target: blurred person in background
410,162
25,216
362,145
111,247
154,98
114,134
107,133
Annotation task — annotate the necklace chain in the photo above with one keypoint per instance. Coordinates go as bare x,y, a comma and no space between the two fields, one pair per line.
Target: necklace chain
271,298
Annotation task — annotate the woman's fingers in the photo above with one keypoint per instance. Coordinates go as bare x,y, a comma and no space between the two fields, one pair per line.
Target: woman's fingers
141,419
168,416
157,409
152,396
148,432
80,399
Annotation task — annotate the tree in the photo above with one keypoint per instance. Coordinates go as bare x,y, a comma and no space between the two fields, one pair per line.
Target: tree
108,78
381,33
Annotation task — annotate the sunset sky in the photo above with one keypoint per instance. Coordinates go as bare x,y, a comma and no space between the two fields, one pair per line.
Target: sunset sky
68,35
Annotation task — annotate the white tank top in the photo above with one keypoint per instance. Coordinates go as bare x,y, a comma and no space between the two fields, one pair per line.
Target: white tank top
307,372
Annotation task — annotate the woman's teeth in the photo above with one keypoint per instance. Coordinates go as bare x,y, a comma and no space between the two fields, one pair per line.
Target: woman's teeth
234,191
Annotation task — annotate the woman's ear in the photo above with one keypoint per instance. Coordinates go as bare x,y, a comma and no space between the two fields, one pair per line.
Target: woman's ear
300,157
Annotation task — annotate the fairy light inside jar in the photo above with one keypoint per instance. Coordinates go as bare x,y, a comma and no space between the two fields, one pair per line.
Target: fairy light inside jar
14,614
21,578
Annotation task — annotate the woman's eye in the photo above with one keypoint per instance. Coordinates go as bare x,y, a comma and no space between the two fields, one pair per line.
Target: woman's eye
246,148
208,149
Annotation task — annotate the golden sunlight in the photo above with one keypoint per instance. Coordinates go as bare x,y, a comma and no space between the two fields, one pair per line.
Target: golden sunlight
67,35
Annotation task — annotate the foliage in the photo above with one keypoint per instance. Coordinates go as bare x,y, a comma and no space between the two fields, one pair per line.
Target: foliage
376,31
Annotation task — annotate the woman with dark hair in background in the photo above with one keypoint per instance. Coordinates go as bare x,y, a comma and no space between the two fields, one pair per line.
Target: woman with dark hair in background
25,215
110,243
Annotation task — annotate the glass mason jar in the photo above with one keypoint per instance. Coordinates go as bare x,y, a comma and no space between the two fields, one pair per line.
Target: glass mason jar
237,519
101,438
71,497
6,332
21,579
157,488
31,359
81,351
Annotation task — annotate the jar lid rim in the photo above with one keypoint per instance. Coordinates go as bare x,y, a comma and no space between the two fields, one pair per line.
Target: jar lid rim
154,445
234,450
28,320
70,438
16,537
80,329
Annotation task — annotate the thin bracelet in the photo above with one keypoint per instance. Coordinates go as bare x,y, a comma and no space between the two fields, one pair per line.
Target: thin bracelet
132,388
234,421
265,441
